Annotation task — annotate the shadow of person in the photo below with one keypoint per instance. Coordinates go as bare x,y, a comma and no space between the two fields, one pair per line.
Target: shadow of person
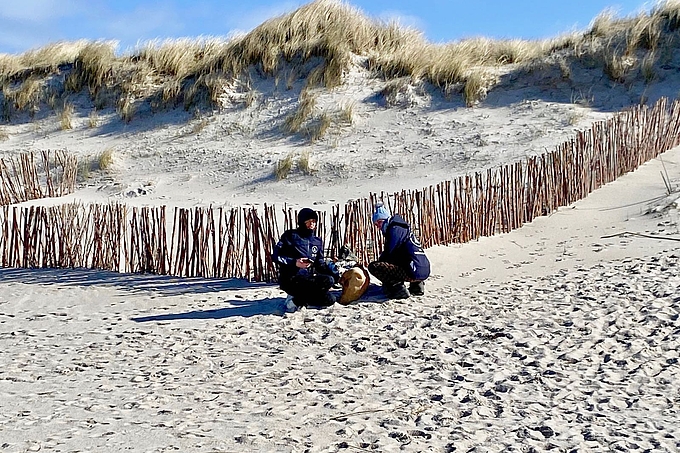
237,308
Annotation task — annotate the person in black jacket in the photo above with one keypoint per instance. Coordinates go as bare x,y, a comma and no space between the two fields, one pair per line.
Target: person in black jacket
303,272
402,260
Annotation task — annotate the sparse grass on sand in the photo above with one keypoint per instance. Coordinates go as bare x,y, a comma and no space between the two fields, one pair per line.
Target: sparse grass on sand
318,127
306,104
105,159
66,116
304,163
318,43
283,167
93,119
101,162
347,112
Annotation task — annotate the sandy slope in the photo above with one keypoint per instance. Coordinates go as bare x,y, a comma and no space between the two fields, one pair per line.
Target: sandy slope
174,157
550,337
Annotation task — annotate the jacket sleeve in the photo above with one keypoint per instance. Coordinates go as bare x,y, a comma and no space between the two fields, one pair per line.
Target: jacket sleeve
279,256
393,239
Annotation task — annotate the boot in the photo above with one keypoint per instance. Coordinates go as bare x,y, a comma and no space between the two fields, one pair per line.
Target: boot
396,291
417,288
290,306
329,300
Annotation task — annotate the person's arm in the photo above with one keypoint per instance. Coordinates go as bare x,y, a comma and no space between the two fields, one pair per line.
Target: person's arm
282,252
279,256
393,238
325,266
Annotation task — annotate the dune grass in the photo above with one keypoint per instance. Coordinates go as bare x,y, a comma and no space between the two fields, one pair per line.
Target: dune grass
306,104
317,43
66,116
105,159
283,167
101,162
318,127
304,163
93,119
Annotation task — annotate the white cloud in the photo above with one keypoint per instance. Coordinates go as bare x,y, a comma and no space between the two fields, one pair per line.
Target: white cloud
38,10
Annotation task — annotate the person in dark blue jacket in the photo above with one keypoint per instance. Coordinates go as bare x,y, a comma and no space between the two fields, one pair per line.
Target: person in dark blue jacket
303,272
403,258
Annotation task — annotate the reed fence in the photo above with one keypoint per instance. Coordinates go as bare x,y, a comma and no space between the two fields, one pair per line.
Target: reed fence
29,177
237,242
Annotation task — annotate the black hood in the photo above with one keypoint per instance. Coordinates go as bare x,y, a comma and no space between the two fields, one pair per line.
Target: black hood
306,214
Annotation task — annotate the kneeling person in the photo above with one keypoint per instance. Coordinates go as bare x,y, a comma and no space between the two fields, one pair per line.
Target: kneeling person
403,258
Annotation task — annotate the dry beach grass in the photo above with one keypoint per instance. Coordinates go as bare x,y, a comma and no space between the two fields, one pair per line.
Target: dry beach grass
561,335
317,43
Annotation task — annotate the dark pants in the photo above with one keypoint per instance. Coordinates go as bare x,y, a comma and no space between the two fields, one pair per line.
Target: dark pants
389,274
310,290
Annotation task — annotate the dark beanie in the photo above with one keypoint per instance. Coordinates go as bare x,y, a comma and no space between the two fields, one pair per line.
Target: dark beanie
306,214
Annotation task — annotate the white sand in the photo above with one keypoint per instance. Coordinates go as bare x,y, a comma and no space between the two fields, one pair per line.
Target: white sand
549,337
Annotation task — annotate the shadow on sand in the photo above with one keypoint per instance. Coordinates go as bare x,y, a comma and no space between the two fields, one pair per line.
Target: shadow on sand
170,286
247,308
161,284
237,308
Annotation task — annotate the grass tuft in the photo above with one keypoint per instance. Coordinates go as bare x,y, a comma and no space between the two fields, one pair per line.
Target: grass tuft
283,167
89,164
647,67
105,159
318,128
66,116
582,99
347,112
27,96
294,121
304,164
93,119
84,171
475,88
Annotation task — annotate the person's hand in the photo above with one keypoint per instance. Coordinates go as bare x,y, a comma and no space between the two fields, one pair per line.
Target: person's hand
303,263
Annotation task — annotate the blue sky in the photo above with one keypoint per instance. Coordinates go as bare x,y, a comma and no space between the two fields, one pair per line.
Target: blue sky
27,24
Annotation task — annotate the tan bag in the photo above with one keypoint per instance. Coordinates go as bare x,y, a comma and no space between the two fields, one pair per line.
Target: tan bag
354,283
